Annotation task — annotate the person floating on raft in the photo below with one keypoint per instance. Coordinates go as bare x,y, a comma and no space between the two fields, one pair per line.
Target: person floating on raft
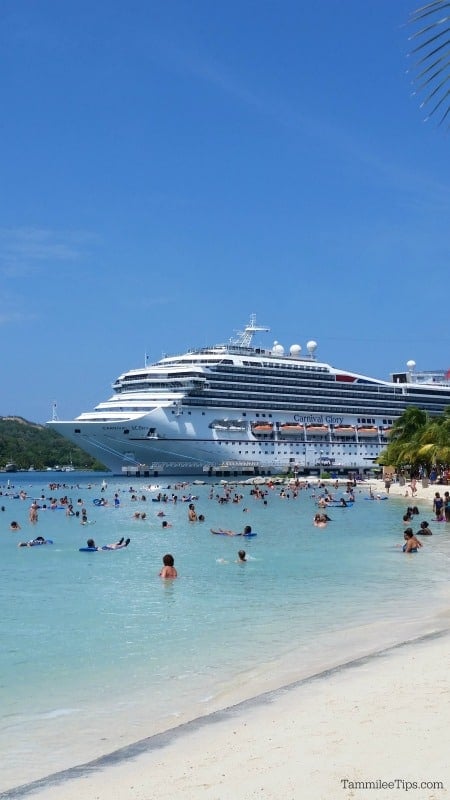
246,532
35,542
91,546
118,545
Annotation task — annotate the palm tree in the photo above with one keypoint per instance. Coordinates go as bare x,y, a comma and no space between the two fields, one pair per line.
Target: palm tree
434,440
404,439
431,67
418,439
409,424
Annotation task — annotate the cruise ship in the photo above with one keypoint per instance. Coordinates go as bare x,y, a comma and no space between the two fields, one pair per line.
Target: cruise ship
239,408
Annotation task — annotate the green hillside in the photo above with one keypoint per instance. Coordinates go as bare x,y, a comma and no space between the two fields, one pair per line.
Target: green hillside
28,444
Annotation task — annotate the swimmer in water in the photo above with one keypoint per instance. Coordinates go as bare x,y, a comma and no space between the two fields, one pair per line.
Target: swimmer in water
242,558
412,543
424,529
320,520
168,570
221,531
91,544
33,542
118,545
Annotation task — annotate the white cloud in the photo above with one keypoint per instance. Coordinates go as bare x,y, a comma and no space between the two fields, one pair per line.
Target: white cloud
25,250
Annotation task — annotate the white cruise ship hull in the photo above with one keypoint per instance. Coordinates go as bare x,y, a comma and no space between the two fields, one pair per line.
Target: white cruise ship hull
192,447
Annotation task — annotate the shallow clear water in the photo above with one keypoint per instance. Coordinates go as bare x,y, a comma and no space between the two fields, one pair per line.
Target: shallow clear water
97,651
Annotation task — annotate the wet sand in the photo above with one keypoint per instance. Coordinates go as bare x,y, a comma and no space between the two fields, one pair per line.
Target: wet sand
376,726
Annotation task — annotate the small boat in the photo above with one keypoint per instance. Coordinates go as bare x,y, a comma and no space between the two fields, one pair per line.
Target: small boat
262,427
229,425
11,467
367,430
317,430
290,429
344,430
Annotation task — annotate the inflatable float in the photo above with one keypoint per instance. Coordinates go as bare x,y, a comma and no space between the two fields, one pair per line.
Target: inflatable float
220,532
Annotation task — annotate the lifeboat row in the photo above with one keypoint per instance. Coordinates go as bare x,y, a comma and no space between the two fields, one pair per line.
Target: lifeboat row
296,429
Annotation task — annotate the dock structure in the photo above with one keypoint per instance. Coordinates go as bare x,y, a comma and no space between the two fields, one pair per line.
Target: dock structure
186,468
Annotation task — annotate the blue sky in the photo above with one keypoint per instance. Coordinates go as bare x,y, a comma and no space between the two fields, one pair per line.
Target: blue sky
169,168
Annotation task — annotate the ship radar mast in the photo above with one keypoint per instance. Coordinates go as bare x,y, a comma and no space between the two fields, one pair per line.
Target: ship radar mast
54,411
244,338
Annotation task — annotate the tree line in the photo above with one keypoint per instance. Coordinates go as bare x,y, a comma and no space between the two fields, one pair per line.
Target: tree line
28,444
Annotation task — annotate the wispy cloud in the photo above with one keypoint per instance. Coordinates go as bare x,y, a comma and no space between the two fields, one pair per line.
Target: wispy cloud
9,317
14,310
188,61
356,149
26,250
151,302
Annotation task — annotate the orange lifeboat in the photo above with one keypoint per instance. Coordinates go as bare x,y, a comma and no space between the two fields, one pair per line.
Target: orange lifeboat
291,429
317,430
261,428
368,430
344,430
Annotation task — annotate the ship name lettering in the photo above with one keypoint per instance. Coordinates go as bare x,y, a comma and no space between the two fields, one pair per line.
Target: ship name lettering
119,428
309,419
318,419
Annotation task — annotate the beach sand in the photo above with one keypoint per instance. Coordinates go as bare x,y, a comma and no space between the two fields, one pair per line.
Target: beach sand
344,733
424,493
374,728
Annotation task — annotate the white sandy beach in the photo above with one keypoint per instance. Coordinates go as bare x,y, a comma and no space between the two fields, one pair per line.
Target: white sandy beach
377,728
424,493
373,728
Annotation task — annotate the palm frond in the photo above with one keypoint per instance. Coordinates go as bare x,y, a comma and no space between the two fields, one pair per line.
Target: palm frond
431,40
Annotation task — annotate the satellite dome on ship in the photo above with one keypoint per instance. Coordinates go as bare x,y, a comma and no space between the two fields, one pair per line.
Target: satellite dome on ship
311,347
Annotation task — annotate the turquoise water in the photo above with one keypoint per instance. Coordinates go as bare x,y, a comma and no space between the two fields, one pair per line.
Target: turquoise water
97,651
